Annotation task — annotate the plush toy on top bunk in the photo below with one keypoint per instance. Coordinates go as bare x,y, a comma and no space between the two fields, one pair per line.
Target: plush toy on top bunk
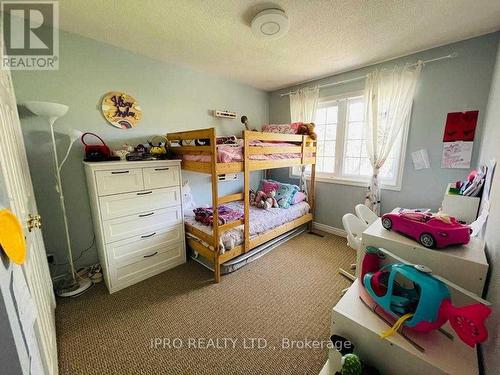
300,128
307,129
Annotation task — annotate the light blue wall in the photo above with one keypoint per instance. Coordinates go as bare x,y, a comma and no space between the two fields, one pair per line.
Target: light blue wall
446,86
172,98
490,150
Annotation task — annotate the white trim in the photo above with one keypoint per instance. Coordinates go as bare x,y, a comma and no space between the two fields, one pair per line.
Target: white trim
345,181
329,229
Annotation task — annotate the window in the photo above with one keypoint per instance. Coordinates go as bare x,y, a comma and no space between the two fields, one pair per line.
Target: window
341,152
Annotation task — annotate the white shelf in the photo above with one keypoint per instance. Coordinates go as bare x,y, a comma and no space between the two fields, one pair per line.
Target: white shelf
465,265
352,319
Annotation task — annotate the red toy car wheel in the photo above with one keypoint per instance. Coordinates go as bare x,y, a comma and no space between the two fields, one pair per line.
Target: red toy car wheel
427,240
387,223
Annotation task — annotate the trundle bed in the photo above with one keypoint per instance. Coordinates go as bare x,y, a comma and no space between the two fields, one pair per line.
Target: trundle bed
256,151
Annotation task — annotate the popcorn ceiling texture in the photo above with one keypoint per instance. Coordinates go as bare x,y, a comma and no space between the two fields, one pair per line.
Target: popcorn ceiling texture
325,37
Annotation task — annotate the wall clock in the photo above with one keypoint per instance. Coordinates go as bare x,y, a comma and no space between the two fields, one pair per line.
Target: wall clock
121,110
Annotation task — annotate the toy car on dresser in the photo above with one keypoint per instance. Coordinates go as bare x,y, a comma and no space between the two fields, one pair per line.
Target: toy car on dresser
430,229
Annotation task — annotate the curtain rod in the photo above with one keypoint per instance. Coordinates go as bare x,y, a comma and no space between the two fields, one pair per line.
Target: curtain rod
450,56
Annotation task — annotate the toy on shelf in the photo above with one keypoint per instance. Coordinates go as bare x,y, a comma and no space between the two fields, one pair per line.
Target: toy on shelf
158,150
418,300
472,186
140,153
345,362
431,230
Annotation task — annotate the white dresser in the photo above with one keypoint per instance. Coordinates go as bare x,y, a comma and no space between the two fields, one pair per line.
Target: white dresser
138,221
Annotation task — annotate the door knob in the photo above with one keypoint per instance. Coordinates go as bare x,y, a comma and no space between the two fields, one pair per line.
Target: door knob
34,221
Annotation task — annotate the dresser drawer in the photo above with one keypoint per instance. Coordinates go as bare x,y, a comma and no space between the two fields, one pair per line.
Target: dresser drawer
136,249
160,177
158,258
119,181
114,206
146,224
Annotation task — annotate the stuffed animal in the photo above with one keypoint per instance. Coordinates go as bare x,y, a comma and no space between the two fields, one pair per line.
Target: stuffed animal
266,201
252,196
307,129
351,365
271,199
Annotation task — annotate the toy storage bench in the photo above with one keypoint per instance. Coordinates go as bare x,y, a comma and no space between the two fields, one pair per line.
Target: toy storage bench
352,319
464,265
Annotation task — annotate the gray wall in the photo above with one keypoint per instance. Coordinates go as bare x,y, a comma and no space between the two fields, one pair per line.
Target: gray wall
490,150
446,86
172,98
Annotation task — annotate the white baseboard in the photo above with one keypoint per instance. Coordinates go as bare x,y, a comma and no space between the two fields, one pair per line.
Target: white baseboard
329,229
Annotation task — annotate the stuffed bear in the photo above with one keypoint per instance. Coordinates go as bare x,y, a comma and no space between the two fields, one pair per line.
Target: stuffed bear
266,201
307,129
271,199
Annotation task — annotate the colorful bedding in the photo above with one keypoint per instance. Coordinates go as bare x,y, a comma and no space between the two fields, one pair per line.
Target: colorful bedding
260,222
234,153
226,215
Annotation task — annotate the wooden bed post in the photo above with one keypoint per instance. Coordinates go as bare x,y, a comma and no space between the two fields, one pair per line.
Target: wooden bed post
246,187
312,190
215,205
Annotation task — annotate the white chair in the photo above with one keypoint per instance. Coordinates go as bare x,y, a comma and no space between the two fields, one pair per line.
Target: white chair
354,227
365,214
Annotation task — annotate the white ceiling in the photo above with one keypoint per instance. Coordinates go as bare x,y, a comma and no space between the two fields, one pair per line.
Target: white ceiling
325,37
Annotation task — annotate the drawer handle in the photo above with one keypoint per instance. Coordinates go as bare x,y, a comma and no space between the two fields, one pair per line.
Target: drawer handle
144,215
148,235
119,172
145,192
151,255
162,169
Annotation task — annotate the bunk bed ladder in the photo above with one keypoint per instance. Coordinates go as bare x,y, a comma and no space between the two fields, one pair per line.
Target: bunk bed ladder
246,195
215,205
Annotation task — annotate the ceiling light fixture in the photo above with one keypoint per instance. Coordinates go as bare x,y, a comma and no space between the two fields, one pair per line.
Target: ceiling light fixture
270,24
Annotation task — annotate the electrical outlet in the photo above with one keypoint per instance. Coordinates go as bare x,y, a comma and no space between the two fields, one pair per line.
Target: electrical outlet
50,258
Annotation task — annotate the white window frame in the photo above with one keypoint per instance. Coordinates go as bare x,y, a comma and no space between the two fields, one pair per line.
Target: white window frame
339,151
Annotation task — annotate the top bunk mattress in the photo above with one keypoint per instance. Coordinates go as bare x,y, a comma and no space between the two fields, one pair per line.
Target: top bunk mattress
234,153
261,221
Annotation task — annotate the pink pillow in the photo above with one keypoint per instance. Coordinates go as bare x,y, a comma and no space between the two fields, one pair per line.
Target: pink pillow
299,197
268,186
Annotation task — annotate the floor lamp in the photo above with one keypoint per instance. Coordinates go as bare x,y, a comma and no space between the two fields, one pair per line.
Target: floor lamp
51,112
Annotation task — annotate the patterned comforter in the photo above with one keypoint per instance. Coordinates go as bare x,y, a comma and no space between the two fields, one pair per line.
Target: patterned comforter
260,222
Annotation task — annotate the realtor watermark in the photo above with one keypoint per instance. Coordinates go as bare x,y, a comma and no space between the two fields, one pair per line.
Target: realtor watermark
30,31
249,343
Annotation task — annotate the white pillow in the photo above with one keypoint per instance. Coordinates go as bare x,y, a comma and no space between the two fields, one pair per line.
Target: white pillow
187,200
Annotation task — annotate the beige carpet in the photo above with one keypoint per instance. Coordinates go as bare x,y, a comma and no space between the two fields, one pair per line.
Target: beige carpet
288,293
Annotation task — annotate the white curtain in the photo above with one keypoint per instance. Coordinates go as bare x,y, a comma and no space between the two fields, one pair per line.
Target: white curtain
388,100
303,104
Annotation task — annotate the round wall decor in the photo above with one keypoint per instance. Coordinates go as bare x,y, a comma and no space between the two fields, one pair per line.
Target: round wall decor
121,110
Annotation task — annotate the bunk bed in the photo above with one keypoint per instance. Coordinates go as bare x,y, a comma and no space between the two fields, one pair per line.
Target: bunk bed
258,151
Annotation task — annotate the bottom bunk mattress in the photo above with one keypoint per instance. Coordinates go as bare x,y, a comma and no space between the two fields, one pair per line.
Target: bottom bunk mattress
261,221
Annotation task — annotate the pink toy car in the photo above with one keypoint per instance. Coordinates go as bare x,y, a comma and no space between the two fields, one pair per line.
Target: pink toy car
429,229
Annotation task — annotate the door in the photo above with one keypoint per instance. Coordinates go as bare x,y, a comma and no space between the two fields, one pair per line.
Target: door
19,190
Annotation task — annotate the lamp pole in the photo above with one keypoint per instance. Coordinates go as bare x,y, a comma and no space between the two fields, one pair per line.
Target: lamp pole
59,189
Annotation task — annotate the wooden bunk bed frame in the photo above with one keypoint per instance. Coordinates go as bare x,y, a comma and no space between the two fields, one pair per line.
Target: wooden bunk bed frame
305,146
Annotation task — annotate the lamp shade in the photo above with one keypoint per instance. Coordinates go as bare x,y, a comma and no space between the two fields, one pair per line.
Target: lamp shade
47,109
74,134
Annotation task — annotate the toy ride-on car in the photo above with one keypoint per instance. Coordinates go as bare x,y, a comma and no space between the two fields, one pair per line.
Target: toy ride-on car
431,230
